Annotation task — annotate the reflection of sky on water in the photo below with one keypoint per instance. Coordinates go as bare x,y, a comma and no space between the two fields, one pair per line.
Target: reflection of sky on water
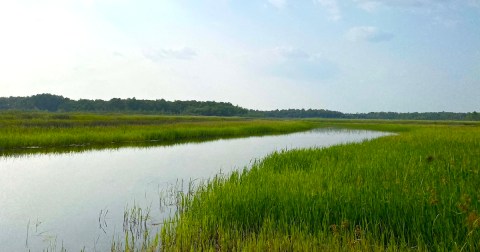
61,195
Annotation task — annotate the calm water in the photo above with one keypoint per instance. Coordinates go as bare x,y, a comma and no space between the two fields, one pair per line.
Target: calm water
79,199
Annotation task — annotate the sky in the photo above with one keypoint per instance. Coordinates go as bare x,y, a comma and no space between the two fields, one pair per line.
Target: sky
344,55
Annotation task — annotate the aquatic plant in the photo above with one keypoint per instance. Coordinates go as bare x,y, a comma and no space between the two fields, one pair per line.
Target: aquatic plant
30,132
417,190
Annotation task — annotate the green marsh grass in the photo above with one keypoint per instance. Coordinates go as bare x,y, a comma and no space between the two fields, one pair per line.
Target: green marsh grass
416,190
21,131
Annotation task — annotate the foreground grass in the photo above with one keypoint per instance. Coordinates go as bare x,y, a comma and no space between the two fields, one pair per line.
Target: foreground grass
20,130
418,190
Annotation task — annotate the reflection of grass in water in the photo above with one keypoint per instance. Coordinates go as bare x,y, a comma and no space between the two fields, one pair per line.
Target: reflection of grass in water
135,228
418,190
140,231
36,235
26,132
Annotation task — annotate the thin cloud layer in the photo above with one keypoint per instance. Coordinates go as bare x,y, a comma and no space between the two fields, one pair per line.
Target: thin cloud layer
415,4
291,53
367,33
279,4
332,7
182,53
297,64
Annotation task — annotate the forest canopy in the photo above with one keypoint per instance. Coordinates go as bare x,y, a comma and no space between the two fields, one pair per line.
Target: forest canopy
56,103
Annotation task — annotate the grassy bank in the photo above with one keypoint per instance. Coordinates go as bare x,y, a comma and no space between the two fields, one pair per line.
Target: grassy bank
418,190
20,130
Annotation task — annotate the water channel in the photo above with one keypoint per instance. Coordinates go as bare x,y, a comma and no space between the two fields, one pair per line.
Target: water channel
77,200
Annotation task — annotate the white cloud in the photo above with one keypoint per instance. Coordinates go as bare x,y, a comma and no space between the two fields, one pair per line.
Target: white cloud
292,63
291,52
157,54
474,3
367,33
445,21
441,12
370,5
366,4
332,8
279,4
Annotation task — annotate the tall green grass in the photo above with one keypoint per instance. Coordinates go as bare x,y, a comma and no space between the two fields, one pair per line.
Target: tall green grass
50,130
417,190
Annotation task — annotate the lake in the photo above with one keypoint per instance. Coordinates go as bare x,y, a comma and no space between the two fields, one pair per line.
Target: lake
78,200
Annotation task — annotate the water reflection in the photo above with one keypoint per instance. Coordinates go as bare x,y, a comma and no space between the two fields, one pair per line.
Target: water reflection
79,199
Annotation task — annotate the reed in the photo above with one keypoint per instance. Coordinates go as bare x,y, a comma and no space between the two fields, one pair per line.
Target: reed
417,190
21,130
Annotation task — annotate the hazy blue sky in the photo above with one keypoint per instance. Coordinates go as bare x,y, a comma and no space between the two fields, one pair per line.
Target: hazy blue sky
349,55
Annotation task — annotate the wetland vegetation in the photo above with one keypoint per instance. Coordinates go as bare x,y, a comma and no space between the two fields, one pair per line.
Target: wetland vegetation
417,190
41,131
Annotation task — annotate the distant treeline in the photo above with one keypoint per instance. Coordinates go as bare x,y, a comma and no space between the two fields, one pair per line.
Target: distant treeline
55,103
